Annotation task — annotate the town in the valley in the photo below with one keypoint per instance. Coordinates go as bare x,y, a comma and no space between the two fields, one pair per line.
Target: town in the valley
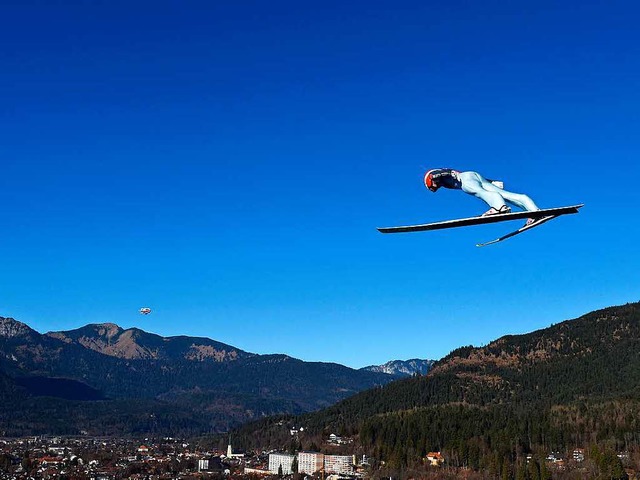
108,458
49,457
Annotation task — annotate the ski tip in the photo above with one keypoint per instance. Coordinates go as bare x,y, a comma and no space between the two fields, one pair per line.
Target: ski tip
487,243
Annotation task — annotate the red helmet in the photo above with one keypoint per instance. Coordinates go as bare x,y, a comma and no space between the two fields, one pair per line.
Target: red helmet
430,182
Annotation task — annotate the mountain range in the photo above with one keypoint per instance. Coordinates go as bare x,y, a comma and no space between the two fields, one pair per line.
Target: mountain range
490,409
103,379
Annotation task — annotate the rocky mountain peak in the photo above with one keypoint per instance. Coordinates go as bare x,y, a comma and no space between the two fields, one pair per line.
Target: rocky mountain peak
403,367
11,328
108,330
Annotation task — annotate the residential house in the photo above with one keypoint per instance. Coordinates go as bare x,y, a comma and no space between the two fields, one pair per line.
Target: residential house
435,459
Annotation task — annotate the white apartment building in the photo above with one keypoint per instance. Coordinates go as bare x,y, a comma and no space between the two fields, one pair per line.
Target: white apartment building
310,462
339,463
284,460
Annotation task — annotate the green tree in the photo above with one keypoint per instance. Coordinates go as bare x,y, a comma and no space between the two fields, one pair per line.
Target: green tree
534,470
5,462
521,471
545,474
504,475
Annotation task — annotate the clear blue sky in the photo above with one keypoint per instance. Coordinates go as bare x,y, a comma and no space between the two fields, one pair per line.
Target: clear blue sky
226,163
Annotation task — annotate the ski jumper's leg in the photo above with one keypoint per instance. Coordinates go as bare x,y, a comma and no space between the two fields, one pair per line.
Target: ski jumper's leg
474,184
520,200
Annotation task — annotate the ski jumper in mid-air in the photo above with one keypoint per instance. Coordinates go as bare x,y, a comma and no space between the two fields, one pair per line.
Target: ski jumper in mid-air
489,191
493,193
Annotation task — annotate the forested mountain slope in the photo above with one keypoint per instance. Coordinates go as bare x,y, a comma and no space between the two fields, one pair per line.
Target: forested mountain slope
569,385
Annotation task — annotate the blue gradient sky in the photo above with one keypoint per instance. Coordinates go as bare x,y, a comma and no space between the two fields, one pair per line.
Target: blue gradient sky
226,163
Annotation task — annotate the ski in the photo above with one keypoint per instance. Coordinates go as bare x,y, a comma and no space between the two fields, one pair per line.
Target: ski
502,217
518,231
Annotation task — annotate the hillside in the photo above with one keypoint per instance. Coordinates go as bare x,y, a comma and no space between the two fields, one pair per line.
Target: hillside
104,379
571,385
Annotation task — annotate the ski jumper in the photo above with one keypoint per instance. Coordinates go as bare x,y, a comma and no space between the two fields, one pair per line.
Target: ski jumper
475,184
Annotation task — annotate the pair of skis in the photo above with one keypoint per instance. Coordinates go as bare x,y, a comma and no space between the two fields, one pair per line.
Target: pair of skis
540,216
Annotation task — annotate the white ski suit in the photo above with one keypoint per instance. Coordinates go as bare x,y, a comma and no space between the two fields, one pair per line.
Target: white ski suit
475,184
